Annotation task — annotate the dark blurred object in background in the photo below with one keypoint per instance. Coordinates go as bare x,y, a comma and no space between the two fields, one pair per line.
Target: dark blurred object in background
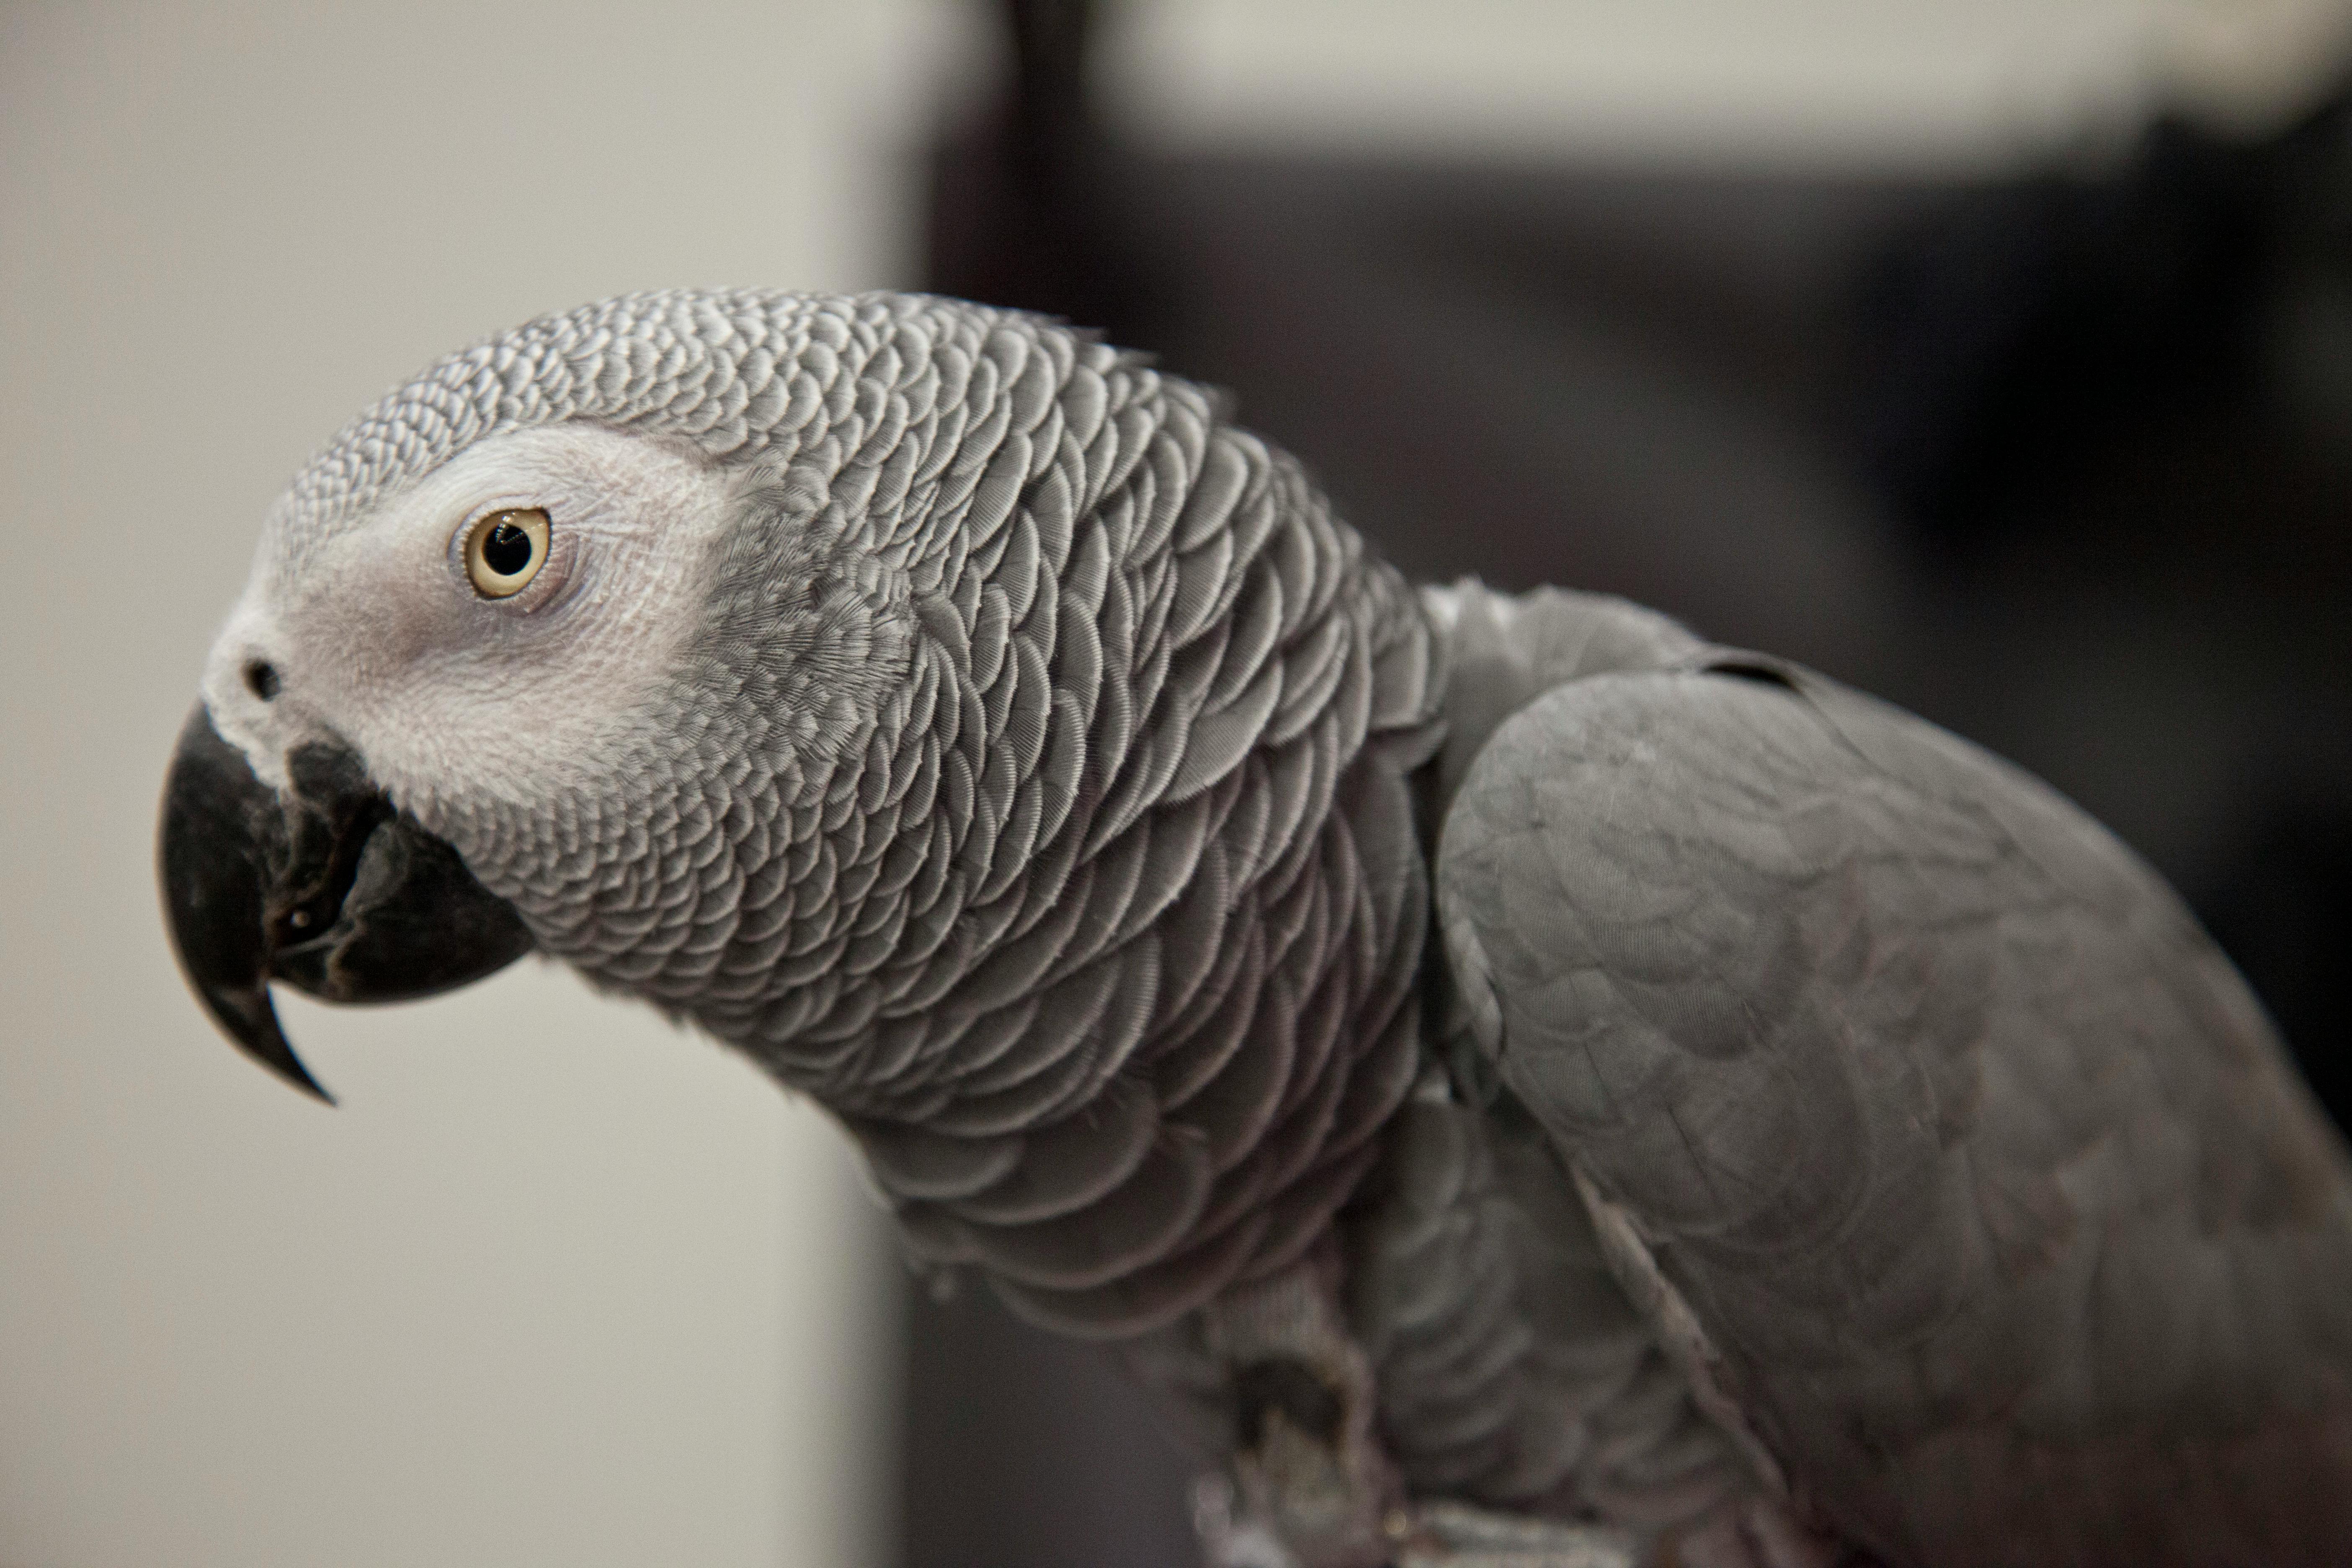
2026,332
2062,461
1023,1451
2279,907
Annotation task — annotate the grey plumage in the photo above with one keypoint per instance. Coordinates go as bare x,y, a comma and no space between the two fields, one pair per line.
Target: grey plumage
1807,1128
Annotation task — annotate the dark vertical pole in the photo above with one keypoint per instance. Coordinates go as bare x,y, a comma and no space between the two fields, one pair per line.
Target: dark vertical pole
1021,1449
1028,198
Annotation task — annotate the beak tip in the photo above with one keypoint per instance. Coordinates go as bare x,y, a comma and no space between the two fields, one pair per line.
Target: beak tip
295,1073
250,1018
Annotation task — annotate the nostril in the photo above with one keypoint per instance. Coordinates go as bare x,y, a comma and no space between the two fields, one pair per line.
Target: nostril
261,678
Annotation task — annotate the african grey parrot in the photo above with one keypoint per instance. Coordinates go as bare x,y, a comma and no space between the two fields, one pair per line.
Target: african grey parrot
1526,1085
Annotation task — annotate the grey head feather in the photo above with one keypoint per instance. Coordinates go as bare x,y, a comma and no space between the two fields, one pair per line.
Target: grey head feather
731,370
1032,792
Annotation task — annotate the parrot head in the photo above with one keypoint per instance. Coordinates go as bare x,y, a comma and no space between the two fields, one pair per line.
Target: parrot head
946,709
597,638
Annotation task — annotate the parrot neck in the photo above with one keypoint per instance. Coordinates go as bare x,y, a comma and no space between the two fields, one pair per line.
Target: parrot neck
1186,1018
1122,901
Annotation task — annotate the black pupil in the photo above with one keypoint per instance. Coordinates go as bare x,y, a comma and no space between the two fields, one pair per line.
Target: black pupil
506,551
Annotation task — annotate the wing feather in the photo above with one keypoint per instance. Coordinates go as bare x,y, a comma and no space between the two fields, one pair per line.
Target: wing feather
1978,1163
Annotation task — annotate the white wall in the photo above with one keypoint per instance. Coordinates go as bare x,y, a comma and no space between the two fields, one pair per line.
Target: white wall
556,1284
1921,85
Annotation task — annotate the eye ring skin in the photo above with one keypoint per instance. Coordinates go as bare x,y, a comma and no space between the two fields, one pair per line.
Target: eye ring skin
489,542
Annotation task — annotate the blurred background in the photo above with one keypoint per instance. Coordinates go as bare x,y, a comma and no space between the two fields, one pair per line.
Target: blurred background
1994,356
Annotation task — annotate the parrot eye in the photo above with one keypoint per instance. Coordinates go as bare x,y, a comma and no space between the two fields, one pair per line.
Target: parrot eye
505,549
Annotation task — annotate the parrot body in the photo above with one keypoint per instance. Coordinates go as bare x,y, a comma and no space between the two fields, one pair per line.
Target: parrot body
1517,1079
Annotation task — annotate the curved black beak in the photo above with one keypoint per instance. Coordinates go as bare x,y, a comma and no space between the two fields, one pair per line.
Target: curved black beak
324,886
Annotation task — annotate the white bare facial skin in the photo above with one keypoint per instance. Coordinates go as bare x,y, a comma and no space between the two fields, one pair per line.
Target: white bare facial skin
448,694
